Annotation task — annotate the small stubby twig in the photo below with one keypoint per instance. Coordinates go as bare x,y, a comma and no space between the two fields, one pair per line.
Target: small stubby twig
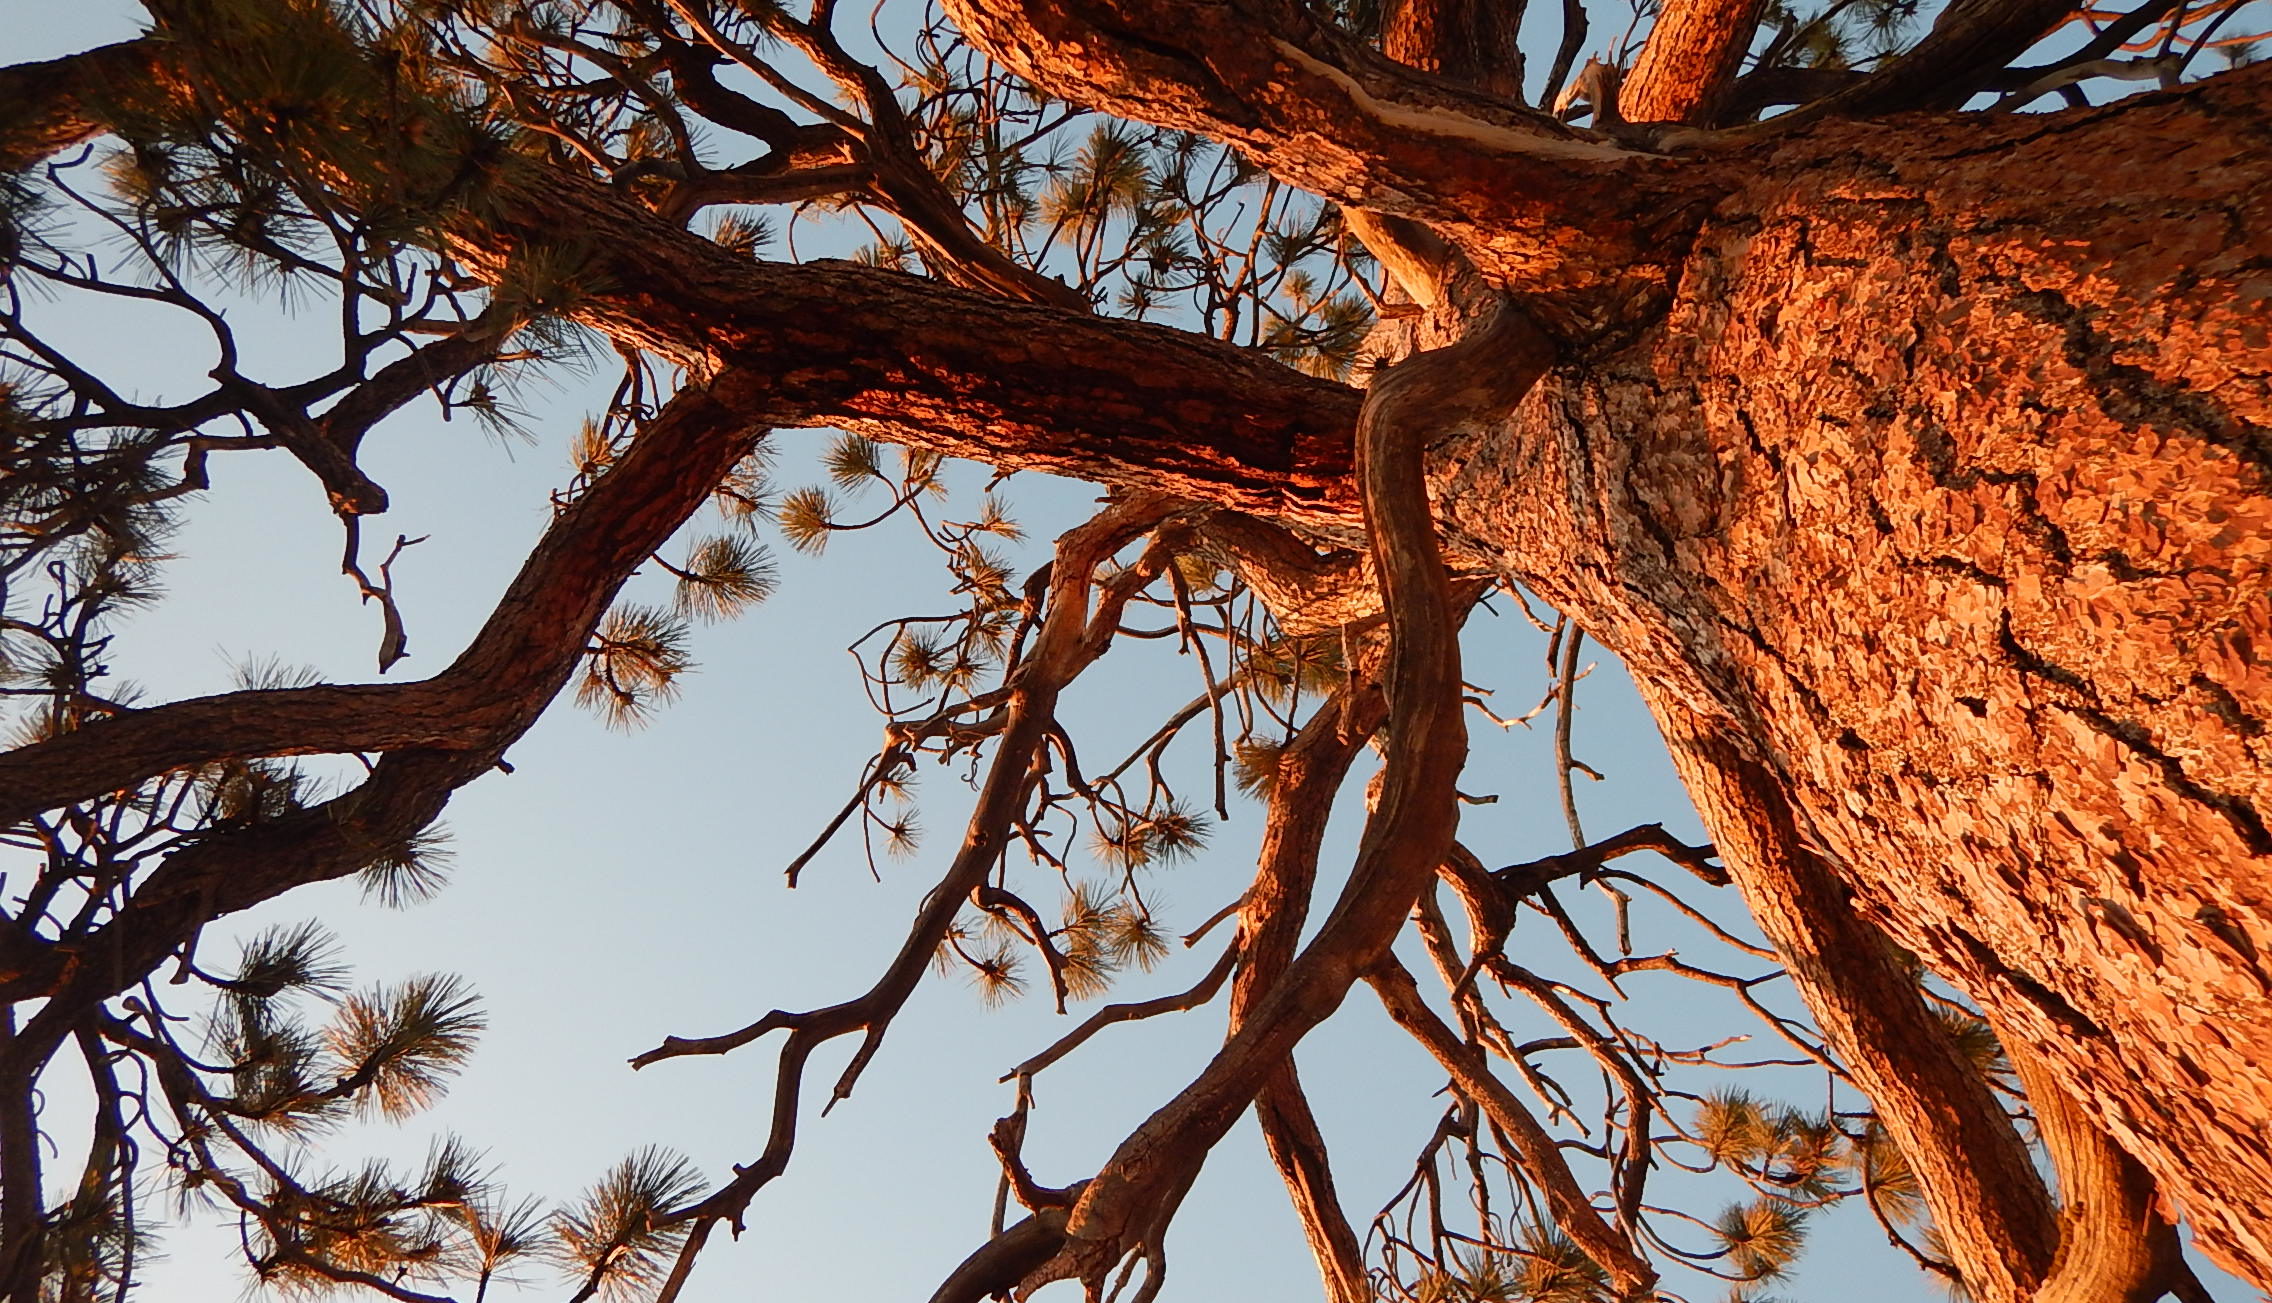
1195,935
394,641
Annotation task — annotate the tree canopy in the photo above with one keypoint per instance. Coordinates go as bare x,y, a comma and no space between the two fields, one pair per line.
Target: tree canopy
1908,448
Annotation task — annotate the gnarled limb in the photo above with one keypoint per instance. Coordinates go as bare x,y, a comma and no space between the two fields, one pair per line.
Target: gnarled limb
1015,385
504,678
1125,1208
1306,591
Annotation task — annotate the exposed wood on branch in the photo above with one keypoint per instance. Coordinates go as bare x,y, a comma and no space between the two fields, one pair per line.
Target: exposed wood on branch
1564,208
2114,1244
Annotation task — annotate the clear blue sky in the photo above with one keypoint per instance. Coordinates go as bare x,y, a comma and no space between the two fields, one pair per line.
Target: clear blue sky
617,888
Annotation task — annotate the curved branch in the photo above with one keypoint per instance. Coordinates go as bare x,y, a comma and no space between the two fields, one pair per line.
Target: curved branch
1308,774
495,690
1409,406
1304,590
1559,208
496,687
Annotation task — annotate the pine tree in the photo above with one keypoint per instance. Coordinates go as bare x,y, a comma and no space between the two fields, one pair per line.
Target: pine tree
1921,485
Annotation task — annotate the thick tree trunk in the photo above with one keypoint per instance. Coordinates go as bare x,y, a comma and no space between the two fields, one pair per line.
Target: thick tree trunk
1944,486
1924,462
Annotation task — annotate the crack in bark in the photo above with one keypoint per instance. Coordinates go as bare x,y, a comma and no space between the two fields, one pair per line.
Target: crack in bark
2237,810
2053,1005
1936,451
2135,396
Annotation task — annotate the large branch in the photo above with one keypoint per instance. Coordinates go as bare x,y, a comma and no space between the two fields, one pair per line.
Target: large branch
447,730
47,107
504,678
1559,208
1690,60
1015,385
1991,1209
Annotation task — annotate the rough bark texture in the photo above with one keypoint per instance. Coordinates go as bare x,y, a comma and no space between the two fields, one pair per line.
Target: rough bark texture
895,357
1993,1214
1948,493
1691,58
1924,463
1466,40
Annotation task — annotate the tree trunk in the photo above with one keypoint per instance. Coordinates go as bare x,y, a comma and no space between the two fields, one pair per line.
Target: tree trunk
1942,486
1923,463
